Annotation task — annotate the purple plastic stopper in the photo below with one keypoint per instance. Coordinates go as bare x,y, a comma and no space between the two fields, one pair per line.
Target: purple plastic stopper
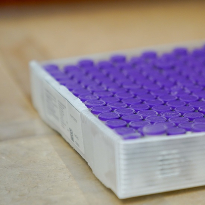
125,130
188,98
94,103
131,101
167,124
139,107
178,120
198,127
156,129
170,114
138,124
162,108
124,111
154,119
187,126
193,115
132,117
175,131
185,109
118,59
200,120
146,113
176,103
110,99
124,95
100,109
116,123
87,97
116,105
85,62
108,116
197,104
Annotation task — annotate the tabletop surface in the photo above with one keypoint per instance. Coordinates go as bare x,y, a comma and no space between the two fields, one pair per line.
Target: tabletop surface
36,165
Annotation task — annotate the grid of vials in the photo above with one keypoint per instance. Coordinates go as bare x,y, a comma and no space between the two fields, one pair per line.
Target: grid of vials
145,95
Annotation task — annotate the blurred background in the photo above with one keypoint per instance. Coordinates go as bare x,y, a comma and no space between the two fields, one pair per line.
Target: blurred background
43,29
74,27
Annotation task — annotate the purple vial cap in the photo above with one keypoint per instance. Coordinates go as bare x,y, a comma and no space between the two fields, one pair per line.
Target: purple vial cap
110,99
185,109
139,107
193,115
188,98
80,91
93,103
116,123
175,131
72,85
159,93
96,88
200,120
118,59
154,119
145,97
124,111
164,65
176,103
103,93
117,89
138,91
197,104
178,120
69,68
132,117
138,124
116,105
130,85
85,62
100,109
156,129
170,114
167,98
186,125
102,64
167,124
87,97
151,86
108,116
166,83
131,101
125,130
87,82
124,95
198,127
180,51
149,54
162,108
154,102
146,113
200,94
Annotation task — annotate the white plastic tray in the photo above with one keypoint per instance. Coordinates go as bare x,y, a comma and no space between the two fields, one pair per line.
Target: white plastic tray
129,168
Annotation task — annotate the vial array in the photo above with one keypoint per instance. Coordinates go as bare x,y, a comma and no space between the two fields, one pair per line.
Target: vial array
146,95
